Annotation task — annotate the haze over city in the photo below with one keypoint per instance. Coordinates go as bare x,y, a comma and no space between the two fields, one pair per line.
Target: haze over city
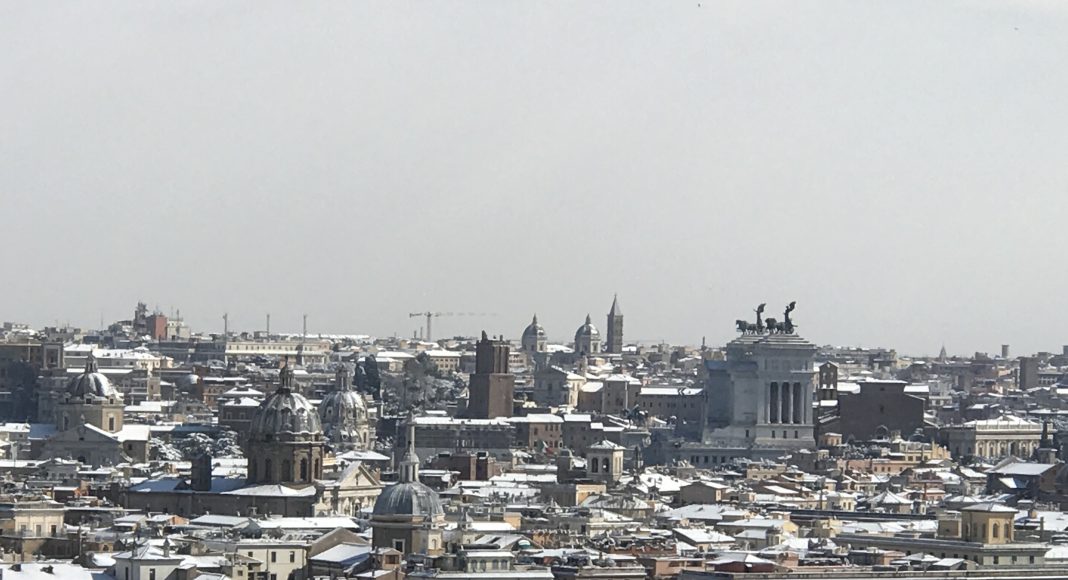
896,169
499,290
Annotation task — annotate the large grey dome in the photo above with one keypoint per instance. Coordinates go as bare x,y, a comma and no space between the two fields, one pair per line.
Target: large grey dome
339,407
343,415
92,383
285,412
587,330
534,331
408,499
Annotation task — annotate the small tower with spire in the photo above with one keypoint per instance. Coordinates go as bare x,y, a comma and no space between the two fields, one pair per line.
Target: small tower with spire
614,334
408,469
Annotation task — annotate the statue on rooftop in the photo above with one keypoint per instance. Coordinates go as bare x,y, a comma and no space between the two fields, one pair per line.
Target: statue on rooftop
787,324
760,323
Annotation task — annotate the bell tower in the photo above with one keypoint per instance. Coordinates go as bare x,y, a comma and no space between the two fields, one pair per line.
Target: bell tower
614,336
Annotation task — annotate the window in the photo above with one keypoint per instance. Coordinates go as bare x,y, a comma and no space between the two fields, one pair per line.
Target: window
292,556
151,574
994,530
111,423
398,545
274,557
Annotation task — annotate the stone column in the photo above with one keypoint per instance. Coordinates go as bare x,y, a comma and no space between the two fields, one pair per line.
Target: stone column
799,404
773,403
787,400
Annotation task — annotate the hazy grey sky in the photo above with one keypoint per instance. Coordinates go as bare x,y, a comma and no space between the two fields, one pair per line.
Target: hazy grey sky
898,168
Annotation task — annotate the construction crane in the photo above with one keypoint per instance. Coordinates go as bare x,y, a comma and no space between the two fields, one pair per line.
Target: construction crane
432,315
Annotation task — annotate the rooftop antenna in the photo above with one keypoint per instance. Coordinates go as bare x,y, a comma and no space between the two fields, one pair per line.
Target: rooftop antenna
304,332
226,324
268,325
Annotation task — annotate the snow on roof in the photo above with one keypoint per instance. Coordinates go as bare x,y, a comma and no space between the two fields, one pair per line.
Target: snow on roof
343,554
362,455
309,523
577,418
702,536
33,430
64,570
393,354
1022,468
219,521
537,418
242,402
434,420
133,433
272,490
1002,421
660,391
443,353
848,387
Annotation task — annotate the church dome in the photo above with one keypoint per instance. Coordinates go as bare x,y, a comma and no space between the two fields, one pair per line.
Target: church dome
343,412
285,412
534,331
342,407
408,499
92,383
587,330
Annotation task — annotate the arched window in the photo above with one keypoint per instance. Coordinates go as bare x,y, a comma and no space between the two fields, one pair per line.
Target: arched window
287,470
994,530
304,470
268,476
